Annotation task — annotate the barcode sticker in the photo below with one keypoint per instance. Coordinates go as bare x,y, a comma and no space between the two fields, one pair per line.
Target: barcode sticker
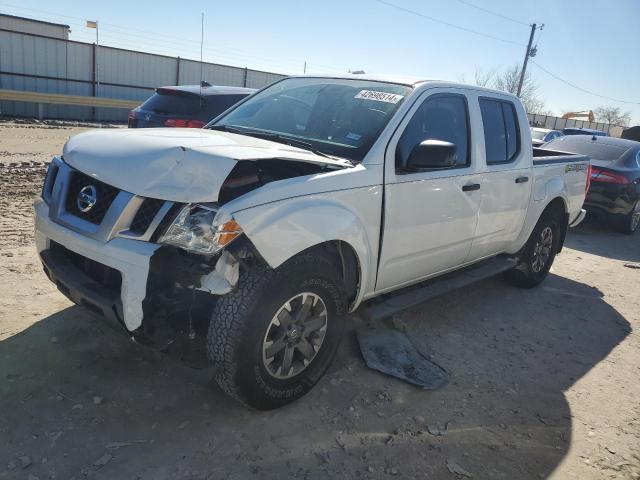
379,96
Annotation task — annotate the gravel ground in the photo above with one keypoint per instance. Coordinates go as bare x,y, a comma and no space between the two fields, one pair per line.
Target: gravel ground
544,383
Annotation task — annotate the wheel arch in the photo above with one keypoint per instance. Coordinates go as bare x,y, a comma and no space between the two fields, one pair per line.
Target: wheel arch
281,232
345,259
558,206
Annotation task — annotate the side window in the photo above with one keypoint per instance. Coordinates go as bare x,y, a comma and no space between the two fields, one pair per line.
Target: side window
501,136
216,104
440,117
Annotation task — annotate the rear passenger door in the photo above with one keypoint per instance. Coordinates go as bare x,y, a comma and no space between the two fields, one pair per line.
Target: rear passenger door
429,215
506,180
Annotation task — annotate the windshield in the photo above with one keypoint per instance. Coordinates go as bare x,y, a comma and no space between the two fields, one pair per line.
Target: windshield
538,135
330,116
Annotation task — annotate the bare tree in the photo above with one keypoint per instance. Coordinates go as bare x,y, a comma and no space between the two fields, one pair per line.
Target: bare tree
507,80
485,79
613,115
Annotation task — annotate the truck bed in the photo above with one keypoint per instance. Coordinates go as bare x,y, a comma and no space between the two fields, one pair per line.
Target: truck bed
543,156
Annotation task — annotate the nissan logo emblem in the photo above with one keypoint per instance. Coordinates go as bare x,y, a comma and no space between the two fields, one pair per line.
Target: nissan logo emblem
87,198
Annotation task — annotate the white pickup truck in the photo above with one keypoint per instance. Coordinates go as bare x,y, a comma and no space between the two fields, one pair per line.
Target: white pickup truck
251,239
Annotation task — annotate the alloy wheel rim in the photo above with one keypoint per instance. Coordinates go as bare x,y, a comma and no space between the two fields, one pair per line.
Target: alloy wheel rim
542,250
294,335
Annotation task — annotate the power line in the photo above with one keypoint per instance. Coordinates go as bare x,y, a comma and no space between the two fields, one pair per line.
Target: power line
449,24
229,53
582,89
490,12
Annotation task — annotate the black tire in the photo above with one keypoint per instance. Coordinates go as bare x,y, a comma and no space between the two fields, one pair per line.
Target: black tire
629,224
242,318
528,274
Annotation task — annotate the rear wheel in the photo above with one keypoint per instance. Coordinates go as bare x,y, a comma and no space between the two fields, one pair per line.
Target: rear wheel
630,223
274,336
539,253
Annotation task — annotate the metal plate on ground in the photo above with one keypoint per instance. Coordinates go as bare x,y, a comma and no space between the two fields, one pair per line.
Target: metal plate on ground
390,351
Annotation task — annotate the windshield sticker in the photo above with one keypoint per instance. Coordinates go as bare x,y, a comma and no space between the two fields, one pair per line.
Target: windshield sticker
379,96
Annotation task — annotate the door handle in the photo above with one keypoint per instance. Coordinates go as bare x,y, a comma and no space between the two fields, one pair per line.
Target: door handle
522,179
471,187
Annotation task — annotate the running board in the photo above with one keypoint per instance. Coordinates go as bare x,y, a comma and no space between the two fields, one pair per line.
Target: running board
389,304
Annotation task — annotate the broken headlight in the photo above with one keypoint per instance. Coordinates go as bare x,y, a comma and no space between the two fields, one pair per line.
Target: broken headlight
195,230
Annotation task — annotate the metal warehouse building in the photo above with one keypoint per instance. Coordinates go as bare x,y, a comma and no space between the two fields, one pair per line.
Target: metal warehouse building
38,57
38,27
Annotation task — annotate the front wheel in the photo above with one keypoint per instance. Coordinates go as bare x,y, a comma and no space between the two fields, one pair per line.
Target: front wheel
539,253
275,335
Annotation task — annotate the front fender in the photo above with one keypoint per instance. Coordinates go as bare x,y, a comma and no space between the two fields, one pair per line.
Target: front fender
283,229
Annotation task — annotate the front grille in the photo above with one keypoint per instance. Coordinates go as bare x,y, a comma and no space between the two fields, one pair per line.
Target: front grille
145,215
108,277
105,195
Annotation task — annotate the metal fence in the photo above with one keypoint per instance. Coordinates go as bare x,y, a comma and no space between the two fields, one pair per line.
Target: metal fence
557,123
44,64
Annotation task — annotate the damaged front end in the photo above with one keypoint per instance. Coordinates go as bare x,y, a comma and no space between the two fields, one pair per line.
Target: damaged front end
182,289
160,221
200,259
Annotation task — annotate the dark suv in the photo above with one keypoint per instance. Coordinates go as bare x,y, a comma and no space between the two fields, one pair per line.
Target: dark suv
190,106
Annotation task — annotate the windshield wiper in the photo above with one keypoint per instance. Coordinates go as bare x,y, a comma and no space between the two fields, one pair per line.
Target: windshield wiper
276,137
227,128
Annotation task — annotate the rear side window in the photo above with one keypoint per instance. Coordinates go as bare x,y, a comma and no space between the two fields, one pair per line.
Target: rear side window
440,117
501,136
163,102
214,105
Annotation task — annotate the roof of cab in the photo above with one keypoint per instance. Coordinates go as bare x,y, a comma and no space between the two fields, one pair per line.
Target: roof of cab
210,90
402,80
408,81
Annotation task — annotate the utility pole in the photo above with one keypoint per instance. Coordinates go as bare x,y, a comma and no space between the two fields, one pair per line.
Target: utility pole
94,24
96,78
529,53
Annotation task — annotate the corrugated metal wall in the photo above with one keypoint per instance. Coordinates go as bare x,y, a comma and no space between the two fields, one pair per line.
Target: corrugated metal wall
43,64
11,22
557,123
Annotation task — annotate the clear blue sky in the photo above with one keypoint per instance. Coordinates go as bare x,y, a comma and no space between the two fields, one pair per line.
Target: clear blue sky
590,43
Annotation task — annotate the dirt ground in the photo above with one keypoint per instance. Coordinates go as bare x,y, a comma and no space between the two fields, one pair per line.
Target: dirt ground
28,140
544,383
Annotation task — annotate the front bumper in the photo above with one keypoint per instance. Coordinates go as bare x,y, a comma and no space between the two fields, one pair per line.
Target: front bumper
130,258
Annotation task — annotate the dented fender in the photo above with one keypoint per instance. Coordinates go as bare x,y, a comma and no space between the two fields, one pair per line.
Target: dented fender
281,230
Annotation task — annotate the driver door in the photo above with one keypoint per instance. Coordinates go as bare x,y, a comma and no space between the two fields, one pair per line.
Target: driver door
430,216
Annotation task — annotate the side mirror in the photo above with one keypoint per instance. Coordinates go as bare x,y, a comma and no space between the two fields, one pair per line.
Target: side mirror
430,154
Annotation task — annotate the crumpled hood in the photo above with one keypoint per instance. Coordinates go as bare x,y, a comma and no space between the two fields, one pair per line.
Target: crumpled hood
177,164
